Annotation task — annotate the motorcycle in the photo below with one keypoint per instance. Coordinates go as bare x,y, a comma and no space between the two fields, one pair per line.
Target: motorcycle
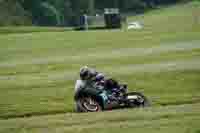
95,100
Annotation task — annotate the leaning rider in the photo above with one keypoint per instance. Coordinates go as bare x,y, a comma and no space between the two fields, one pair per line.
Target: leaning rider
89,77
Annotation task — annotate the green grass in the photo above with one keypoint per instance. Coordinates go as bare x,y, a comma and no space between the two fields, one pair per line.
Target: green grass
38,71
30,29
184,118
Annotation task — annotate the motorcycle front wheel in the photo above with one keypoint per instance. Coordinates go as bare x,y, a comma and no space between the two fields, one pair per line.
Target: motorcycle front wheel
88,104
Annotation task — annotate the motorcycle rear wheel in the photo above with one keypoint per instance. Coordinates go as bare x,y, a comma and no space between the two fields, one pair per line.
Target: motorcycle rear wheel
142,100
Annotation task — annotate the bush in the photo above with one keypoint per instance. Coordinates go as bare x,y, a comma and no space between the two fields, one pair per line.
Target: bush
49,15
12,13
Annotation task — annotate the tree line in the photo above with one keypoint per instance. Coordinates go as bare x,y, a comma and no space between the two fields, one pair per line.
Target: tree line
65,12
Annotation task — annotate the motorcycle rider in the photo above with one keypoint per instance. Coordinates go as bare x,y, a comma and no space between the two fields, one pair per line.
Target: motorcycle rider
90,78
87,78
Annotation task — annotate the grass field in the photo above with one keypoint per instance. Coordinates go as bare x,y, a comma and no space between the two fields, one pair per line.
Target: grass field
38,71
182,118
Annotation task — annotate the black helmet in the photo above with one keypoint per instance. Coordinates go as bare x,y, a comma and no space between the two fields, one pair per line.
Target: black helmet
87,73
84,73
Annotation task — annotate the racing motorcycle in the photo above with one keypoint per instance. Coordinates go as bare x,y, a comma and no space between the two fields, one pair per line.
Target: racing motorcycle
95,99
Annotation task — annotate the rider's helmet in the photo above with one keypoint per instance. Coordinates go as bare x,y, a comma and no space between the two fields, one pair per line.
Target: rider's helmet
84,73
87,73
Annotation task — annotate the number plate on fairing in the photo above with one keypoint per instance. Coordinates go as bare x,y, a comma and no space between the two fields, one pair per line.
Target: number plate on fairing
132,97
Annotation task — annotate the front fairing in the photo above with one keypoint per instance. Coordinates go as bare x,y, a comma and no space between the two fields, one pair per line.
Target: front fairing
104,97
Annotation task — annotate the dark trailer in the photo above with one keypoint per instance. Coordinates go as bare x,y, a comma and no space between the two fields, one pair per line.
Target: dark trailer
112,18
